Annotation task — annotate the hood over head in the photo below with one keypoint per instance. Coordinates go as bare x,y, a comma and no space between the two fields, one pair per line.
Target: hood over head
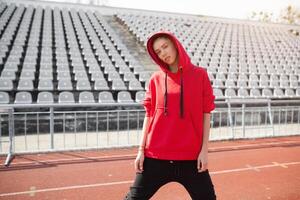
184,61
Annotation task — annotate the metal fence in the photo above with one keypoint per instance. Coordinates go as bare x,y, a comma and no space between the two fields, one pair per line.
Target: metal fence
43,128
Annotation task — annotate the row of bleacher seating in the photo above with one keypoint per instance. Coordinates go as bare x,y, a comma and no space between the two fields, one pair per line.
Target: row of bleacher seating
63,50
256,93
66,84
126,97
242,60
69,97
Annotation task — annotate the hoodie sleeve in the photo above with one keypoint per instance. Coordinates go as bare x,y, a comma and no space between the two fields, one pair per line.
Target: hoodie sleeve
148,101
208,96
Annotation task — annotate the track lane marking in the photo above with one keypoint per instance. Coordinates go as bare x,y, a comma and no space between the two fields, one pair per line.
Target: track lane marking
275,164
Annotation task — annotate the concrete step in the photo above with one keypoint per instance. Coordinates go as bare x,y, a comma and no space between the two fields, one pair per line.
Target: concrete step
136,49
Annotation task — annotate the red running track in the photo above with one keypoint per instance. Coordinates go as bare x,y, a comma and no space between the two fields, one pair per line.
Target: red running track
241,170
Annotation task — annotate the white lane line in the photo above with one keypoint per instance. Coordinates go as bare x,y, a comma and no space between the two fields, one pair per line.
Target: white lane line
133,155
253,168
130,181
65,188
253,145
280,165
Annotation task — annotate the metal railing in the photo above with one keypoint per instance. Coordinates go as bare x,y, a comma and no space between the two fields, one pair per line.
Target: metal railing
45,128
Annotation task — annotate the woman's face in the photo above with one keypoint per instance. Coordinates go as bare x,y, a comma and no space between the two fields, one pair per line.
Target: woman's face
166,51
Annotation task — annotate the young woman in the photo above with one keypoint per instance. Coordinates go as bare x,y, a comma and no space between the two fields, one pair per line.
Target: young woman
174,143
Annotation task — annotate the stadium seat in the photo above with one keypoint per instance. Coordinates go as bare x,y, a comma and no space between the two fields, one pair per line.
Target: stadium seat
23,98
140,96
118,85
6,85
229,83
86,97
290,93
106,97
30,75
45,98
4,98
242,92
144,76
10,75
83,85
25,85
278,93
254,92
64,84
229,93
97,76
66,97
45,75
45,85
124,97
218,93
298,92
266,92
101,85
135,85
128,76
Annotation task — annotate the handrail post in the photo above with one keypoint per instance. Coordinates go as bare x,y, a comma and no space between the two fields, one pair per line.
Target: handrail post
11,129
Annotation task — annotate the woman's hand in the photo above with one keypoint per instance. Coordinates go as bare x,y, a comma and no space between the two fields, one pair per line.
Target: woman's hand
202,161
139,161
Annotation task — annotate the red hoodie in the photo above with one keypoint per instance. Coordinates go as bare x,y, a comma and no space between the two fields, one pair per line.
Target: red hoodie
175,104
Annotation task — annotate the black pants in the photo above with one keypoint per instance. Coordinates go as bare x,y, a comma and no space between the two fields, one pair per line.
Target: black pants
160,172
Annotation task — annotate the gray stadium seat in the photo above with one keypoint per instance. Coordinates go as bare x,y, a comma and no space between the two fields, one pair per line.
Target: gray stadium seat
45,85
63,75
6,85
274,83
30,75
45,75
114,75
218,93
298,92
242,92
135,85
229,83
29,67
218,83
4,98
23,98
83,85
128,76
101,85
86,97
10,75
289,92
254,92
140,96
229,92
294,84
118,85
45,98
242,83
106,97
124,97
25,84
266,92
278,92
124,69
64,84
97,76
144,76
232,76
66,97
